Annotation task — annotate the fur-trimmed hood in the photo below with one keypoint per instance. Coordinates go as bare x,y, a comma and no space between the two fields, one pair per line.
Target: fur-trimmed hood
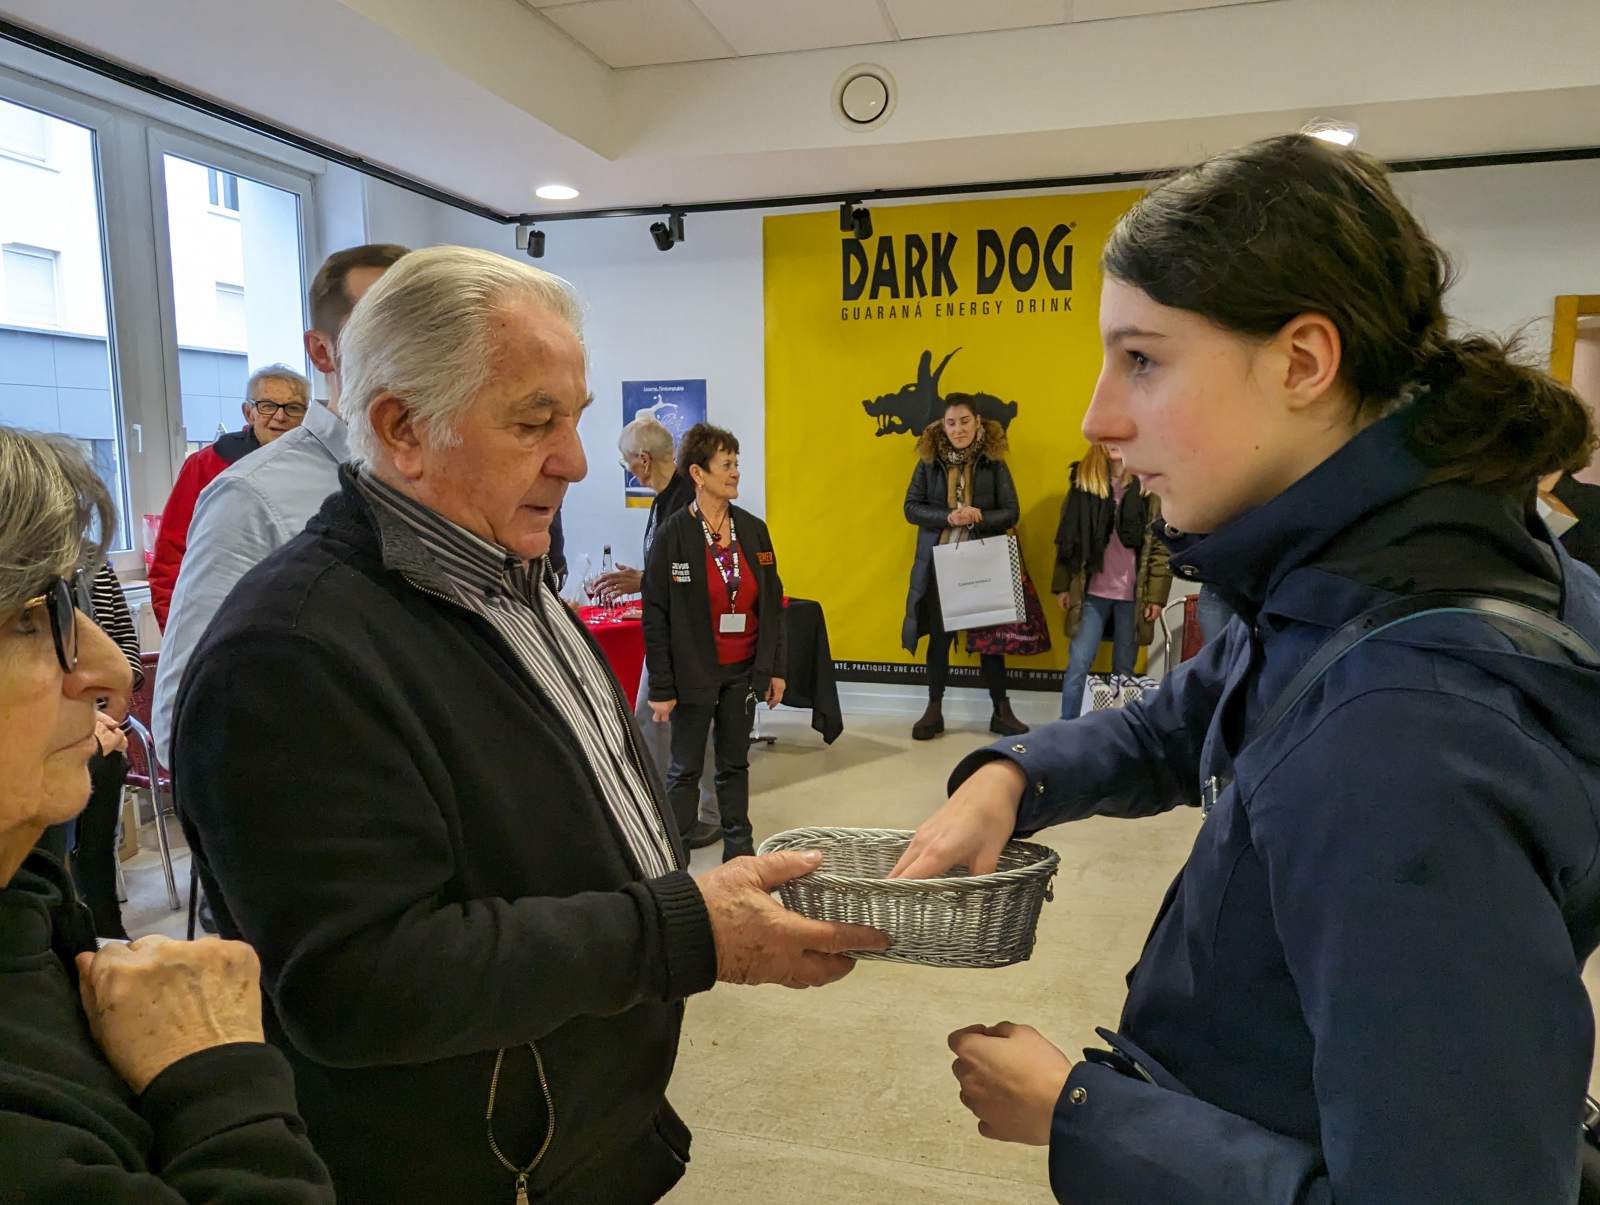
933,443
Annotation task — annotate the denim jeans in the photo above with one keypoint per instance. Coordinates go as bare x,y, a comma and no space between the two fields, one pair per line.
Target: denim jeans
1097,612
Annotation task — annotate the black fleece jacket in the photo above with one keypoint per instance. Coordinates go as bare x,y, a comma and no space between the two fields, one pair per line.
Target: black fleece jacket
679,644
219,1126
394,815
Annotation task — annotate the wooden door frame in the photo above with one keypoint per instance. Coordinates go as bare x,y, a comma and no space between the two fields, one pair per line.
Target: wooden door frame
1564,331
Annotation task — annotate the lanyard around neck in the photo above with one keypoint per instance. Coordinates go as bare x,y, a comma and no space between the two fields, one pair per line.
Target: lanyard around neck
730,579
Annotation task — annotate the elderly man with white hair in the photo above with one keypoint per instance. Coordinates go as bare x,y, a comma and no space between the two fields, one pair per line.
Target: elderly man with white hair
414,788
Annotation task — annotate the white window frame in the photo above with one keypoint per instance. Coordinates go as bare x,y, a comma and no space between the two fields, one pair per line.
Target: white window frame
132,130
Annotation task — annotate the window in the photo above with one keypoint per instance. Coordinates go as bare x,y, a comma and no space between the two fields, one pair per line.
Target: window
31,296
232,330
238,297
134,338
224,189
24,133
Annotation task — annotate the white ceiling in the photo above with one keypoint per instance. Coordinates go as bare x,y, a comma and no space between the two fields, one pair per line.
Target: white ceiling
490,98
641,33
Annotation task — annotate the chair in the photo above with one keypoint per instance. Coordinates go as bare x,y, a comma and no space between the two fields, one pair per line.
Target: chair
141,761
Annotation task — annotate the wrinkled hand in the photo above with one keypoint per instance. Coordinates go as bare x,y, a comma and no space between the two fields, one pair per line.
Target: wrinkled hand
965,516
971,828
154,1001
109,735
1011,1077
775,692
610,587
1152,612
761,941
661,713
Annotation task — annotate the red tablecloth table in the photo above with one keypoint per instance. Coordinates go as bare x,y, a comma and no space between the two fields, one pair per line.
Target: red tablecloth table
622,641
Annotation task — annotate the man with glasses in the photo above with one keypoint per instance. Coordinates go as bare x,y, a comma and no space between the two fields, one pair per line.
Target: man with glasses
263,502
276,398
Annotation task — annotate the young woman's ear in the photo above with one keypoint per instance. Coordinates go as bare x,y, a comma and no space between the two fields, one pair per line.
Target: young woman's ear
1312,351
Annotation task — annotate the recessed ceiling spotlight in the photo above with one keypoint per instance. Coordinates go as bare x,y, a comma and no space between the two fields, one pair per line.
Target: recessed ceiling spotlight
1340,133
555,192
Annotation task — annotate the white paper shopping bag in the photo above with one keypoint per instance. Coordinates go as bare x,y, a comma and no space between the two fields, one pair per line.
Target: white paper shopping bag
980,582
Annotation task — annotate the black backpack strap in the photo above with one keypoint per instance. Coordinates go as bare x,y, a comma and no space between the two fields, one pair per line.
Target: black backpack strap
1402,610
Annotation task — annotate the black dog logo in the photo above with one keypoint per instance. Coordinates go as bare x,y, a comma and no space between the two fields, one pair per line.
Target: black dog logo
912,407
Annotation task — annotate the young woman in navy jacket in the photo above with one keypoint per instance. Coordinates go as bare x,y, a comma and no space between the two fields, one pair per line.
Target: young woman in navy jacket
1364,986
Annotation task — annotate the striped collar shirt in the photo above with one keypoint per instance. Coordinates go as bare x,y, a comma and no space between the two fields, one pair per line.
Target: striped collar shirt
517,601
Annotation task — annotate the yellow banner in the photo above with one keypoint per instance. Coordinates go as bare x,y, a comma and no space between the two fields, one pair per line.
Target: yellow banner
864,338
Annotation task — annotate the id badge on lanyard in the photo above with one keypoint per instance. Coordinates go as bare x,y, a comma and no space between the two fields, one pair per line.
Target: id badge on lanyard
732,622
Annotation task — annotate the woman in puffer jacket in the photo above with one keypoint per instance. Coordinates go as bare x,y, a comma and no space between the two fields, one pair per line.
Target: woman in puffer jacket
1111,571
961,489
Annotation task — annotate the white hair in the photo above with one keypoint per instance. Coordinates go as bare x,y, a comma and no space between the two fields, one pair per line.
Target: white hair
422,333
279,372
646,434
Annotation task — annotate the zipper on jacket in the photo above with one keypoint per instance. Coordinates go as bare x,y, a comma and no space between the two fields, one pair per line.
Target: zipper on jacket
522,1173
638,762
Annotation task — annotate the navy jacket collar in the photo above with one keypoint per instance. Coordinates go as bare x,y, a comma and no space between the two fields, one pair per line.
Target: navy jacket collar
1245,560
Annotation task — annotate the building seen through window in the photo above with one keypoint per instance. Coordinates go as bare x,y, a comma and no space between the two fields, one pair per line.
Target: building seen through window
55,364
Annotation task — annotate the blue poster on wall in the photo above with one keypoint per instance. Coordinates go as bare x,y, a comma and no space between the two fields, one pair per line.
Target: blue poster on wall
676,405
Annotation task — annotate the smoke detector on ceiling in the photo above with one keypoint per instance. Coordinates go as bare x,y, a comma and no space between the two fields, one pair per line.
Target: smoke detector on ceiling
864,97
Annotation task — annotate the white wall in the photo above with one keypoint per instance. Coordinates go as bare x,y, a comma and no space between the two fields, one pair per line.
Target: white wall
1519,236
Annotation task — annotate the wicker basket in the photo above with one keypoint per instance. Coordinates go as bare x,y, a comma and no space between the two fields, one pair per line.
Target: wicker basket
960,920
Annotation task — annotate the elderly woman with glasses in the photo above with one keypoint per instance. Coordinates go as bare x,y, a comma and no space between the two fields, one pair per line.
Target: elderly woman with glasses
137,1072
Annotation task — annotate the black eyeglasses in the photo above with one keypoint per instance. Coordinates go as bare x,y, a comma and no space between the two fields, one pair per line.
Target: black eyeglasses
59,601
268,409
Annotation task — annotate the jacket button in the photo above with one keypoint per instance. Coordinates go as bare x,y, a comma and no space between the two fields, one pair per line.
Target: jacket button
1078,1095
1019,748
1041,788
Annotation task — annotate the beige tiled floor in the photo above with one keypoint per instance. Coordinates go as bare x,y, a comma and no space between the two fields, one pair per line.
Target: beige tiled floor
844,1093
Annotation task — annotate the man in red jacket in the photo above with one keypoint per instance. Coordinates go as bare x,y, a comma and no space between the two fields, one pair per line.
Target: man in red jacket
277,400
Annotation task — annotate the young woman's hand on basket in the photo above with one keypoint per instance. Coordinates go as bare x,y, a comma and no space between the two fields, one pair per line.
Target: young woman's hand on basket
1011,1077
761,941
971,828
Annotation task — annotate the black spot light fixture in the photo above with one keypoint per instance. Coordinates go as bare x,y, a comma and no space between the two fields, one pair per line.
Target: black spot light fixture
669,233
855,220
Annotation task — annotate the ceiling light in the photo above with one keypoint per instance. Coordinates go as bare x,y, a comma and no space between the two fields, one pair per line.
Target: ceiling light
555,192
854,220
669,233
1340,133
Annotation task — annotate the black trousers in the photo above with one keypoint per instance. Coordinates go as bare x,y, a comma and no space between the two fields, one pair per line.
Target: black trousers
991,665
94,862
729,720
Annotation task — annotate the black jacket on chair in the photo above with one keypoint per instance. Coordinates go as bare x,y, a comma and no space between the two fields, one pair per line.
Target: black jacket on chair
680,647
389,809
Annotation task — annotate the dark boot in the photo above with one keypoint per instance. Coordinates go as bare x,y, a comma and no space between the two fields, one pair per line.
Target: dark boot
737,842
702,835
932,722
1004,721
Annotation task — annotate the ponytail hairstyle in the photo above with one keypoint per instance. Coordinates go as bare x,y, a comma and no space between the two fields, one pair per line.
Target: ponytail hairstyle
1254,237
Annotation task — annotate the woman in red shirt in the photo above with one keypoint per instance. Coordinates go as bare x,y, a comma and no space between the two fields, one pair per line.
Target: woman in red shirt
713,633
